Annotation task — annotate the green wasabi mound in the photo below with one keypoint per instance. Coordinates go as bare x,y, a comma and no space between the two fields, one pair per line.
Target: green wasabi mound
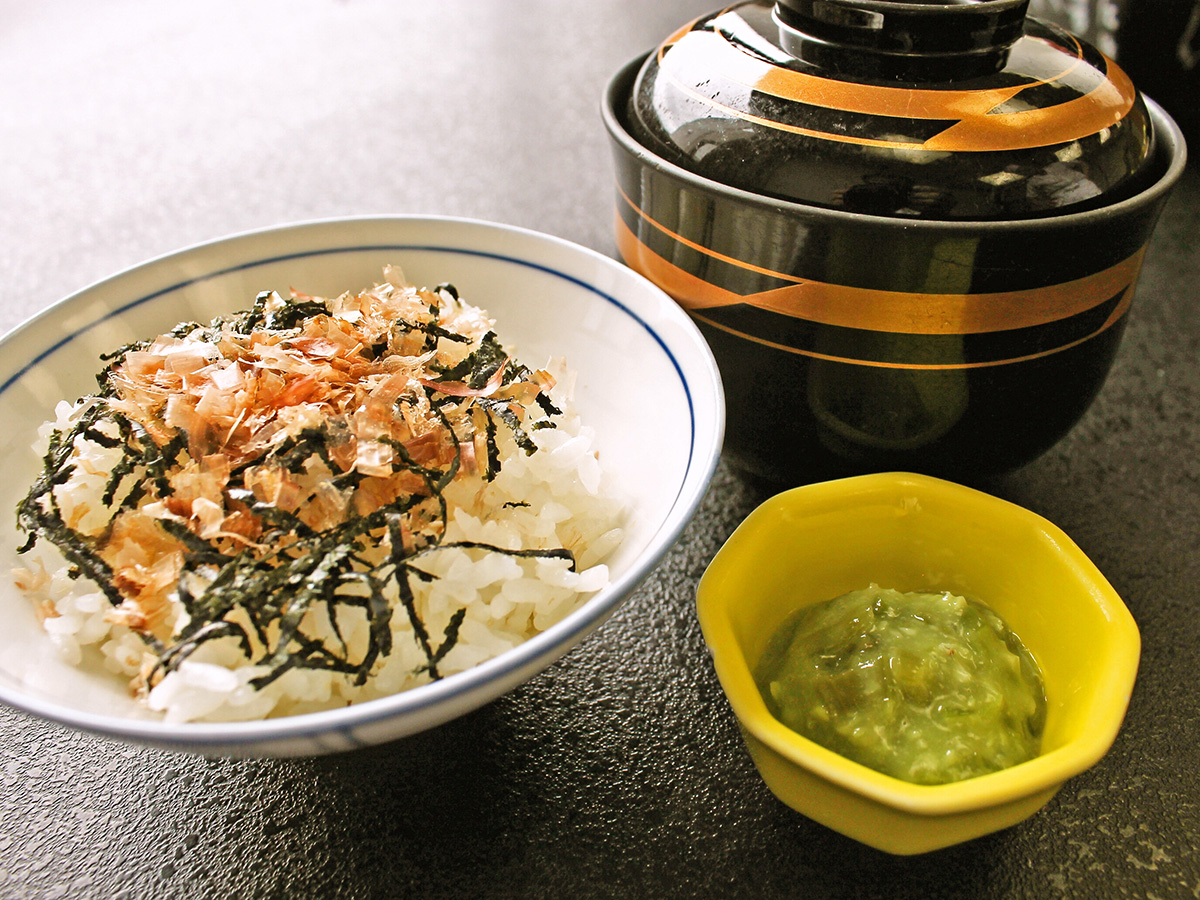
929,688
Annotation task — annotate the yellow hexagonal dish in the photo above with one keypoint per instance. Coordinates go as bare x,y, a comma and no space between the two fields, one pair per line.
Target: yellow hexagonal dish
915,533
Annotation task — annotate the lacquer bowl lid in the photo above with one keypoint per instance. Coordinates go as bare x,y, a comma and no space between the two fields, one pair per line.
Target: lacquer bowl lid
960,111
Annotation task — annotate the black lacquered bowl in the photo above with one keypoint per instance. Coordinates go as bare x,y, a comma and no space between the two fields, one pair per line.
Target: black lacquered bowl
851,342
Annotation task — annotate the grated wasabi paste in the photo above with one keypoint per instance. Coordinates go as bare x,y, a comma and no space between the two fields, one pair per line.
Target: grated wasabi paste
926,687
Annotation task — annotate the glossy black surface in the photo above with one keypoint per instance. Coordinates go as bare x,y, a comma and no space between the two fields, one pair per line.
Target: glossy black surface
808,399
816,145
619,772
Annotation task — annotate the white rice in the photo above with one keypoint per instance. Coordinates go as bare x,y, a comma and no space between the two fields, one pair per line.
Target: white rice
507,600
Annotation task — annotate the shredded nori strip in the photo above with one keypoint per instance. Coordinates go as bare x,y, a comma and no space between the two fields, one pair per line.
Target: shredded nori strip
291,314
261,597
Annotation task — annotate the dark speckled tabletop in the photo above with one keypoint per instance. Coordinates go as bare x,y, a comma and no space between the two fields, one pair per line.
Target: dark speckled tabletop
130,128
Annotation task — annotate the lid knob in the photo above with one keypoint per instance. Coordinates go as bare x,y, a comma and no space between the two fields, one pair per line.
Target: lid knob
932,41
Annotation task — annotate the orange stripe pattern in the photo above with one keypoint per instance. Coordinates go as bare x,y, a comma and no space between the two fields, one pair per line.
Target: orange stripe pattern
978,124
894,312
897,312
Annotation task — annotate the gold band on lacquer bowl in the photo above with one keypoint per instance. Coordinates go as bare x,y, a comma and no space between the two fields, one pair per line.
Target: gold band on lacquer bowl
853,343
985,120
1069,313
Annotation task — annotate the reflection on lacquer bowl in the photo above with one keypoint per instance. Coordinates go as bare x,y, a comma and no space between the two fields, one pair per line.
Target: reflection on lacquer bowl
641,369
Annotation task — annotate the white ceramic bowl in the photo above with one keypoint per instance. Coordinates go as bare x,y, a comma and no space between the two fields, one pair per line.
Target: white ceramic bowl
646,381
